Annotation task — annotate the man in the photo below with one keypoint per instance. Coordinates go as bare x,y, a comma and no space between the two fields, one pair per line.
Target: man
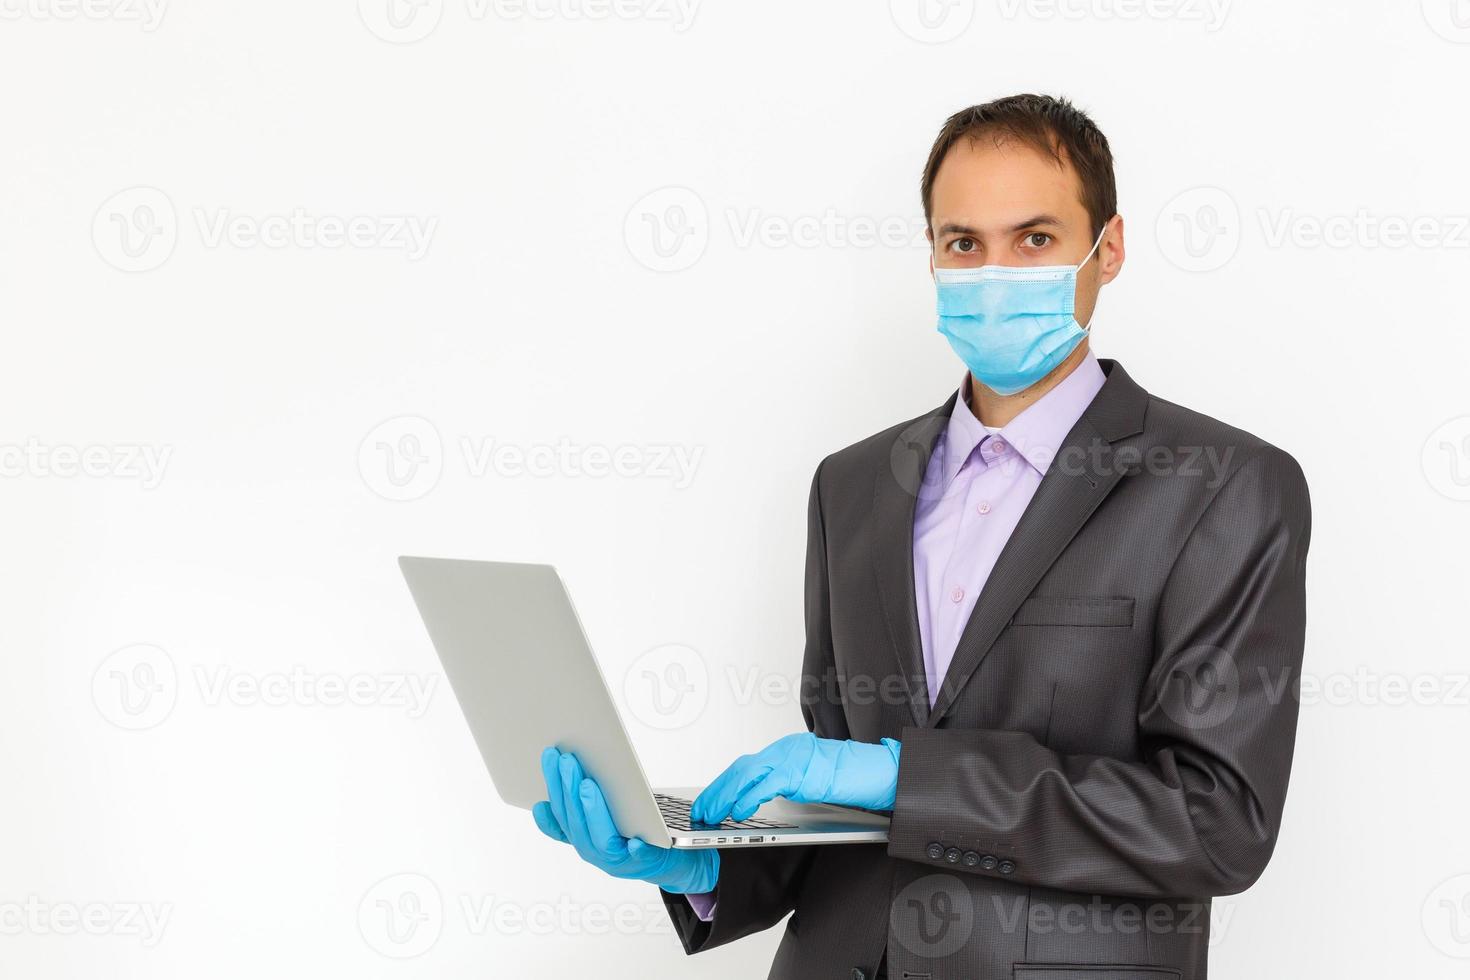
1054,626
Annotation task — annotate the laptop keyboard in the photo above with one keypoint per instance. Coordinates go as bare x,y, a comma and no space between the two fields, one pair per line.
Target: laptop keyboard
676,816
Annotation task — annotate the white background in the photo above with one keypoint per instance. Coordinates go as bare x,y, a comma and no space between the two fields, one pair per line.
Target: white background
281,389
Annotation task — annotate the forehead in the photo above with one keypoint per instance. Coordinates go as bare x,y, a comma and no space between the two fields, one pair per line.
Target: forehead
994,180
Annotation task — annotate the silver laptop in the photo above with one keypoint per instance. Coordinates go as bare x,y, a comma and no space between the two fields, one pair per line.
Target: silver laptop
525,678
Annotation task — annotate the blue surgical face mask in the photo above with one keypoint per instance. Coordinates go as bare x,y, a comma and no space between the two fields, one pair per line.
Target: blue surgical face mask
1011,325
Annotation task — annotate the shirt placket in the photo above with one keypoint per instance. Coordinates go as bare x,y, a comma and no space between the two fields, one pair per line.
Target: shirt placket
959,587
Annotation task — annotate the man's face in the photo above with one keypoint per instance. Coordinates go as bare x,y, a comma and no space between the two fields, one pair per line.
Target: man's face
1012,205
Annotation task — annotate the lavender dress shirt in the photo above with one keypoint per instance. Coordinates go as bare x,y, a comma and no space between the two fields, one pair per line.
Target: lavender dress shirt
977,485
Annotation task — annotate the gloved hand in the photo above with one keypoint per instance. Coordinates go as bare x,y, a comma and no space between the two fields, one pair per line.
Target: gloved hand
805,769
576,813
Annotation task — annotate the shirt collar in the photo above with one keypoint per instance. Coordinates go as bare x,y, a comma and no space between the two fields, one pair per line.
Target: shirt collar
1036,434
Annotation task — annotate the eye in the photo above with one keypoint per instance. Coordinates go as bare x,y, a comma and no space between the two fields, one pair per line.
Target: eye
963,245
1038,239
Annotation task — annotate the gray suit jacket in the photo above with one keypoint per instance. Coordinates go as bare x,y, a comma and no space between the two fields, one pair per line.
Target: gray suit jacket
1111,744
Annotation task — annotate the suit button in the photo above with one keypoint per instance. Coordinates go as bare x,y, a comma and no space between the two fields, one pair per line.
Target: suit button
988,862
971,859
935,851
1006,867
952,855
858,974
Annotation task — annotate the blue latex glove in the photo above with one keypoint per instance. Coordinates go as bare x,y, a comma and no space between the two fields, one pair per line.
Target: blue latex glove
805,769
576,813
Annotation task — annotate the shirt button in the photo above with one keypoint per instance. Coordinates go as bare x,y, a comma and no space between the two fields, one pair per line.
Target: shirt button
983,507
957,595
998,445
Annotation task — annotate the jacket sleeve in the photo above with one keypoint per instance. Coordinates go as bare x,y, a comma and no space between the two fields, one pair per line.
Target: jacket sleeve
1199,814
758,885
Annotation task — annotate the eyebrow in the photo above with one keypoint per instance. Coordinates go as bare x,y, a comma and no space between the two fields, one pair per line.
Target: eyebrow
1036,221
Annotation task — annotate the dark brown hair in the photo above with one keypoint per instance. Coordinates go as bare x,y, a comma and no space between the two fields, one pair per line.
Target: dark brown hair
1053,126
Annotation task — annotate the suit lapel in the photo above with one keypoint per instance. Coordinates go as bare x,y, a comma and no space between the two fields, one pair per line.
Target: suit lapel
1081,476
895,495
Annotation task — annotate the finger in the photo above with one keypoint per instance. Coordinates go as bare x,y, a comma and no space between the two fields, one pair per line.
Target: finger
719,797
706,796
601,829
649,857
750,801
546,820
715,799
714,803
551,772
576,825
707,802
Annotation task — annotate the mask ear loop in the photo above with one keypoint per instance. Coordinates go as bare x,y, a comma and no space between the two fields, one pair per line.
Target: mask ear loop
1090,253
1093,251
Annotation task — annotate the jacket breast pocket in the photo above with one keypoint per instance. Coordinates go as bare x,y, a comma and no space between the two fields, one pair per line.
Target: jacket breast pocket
1061,610
1066,971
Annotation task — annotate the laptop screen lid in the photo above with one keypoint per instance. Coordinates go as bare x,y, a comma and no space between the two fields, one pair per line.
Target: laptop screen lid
525,678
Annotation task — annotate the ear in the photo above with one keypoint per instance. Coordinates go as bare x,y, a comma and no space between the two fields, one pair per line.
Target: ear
1111,253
